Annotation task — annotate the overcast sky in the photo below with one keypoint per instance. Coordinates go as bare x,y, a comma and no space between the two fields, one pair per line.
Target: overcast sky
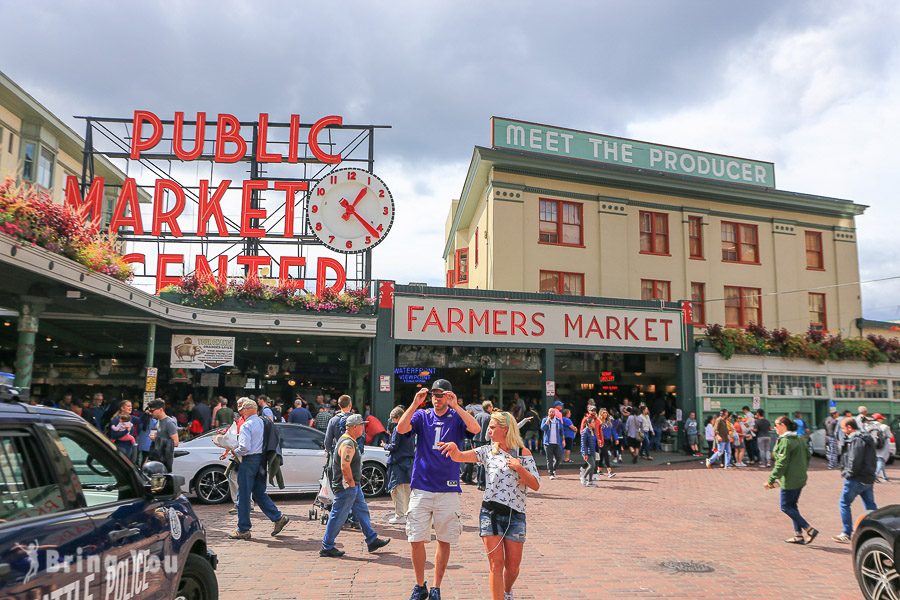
813,86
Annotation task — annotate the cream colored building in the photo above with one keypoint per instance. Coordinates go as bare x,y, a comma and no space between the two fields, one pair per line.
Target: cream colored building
38,148
555,210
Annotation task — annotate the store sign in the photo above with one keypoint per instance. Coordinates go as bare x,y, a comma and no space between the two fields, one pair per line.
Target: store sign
413,374
461,320
594,147
191,351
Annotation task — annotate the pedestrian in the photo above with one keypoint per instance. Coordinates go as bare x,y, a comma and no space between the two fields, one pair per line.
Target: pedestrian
763,438
164,437
633,433
202,413
691,429
791,463
300,415
265,410
858,471
252,473
710,435
880,433
801,424
570,432
511,471
862,415
619,427
724,433
532,429
337,423
346,476
738,441
224,416
648,432
231,471
322,419
831,441
554,437
480,439
589,445
660,424
750,445
124,429
435,490
609,438
401,450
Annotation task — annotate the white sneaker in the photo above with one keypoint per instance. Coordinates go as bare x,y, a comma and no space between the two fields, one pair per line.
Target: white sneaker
508,596
610,475
397,519
553,477
590,484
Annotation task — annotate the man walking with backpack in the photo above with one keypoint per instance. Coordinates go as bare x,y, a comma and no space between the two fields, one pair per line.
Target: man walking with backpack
252,473
858,471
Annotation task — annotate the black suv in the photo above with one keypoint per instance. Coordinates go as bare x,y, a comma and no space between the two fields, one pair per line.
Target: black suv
77,519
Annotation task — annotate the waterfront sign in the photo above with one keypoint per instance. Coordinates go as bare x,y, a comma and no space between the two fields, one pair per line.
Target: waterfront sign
595,147
460,320
191,351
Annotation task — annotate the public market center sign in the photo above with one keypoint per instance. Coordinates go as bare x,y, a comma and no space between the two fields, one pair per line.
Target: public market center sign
594,147
459,320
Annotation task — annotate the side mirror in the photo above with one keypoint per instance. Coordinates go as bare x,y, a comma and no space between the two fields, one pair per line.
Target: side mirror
162,484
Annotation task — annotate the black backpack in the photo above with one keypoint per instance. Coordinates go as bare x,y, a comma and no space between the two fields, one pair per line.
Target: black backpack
877,434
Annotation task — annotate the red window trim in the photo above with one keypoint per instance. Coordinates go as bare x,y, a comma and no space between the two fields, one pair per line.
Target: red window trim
742,294
820,252
460,276
824,322
653,232
451,278
476,247
698,306
654,282
699,220
737,240
560,289
559,223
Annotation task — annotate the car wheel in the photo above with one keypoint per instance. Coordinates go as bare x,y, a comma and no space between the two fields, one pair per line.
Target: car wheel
875,570
198,580
211,486
374,479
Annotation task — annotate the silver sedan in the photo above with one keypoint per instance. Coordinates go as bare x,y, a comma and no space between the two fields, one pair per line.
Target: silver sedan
303,449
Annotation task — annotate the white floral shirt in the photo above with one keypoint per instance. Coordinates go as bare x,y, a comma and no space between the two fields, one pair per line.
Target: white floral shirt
502,483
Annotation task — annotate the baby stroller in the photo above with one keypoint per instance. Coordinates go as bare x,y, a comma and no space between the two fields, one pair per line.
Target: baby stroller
324,498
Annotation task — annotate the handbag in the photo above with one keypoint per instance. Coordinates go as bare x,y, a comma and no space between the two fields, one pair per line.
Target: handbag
640,435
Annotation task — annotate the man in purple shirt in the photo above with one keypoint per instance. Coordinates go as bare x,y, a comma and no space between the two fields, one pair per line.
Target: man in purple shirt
435,480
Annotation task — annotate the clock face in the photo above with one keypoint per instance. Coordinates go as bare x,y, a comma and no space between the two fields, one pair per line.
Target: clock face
350,210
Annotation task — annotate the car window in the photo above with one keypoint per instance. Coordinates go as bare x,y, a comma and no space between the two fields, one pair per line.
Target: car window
298,438
27,489
104,476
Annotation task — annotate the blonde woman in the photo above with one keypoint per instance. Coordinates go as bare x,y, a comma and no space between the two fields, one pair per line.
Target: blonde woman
510,470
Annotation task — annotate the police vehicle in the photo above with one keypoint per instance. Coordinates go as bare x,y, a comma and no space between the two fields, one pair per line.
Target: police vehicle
79,521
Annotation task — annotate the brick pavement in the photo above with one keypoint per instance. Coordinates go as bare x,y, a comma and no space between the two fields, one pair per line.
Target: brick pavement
612,541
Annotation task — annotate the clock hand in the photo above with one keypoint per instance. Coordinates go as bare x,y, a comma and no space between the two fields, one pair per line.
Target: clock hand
348,210
365,223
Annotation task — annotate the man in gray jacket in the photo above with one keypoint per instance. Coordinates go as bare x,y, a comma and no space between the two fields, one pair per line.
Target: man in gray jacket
858,471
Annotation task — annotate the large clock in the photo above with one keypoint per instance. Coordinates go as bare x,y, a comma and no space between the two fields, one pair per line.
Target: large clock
350,210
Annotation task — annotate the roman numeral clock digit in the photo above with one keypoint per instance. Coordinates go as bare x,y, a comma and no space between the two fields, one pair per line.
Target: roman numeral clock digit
353,210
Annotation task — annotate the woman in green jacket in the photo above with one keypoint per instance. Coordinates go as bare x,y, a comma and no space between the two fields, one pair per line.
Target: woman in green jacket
791,461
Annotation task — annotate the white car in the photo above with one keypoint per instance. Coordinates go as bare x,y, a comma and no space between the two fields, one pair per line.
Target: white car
303,449
817,441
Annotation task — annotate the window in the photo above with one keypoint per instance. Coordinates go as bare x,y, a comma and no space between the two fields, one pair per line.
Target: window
451,278
814,255
476,247
45,168
698,306
9,147
462,265
797,385
695,236
26,489
654,232
742,306
560,223
104,476
294,437
743,384
817,318
28,162
740,243
558,282
846,387
653,289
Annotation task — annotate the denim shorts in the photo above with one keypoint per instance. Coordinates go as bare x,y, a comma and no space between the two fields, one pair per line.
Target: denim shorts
510,526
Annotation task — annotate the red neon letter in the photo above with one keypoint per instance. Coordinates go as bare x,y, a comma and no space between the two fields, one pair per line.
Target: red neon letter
261,139
138,144
314,141
253,264
284,272
340,276
294,139
162,262
128,199
290,188
248,213
160,215
204,273
135,257
211,207
228,129
178,137
410,316
92,205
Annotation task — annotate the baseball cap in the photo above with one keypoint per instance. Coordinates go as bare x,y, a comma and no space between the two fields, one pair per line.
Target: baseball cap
878,416
441,384
354,420
156,404
245,403
833,410
558,403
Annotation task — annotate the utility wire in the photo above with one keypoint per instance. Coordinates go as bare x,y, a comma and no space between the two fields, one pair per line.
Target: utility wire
797,291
